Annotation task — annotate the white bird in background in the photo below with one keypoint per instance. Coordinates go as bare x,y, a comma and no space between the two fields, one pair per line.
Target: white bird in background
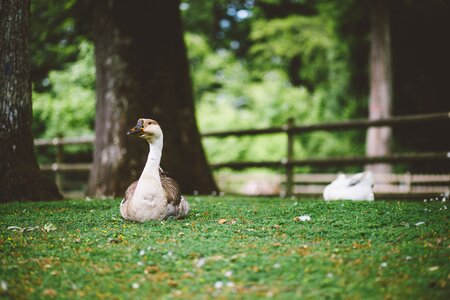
353,187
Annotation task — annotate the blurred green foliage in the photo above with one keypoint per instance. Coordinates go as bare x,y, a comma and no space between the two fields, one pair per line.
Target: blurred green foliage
54,38
248,91
254,64
68,107
261,89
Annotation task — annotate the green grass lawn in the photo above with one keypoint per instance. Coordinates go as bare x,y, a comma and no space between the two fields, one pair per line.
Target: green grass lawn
350,250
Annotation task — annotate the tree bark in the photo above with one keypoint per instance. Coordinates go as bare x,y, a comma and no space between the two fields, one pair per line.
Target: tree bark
20,177
380,100
142,72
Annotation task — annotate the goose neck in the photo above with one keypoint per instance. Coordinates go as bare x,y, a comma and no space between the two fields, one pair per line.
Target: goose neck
154,158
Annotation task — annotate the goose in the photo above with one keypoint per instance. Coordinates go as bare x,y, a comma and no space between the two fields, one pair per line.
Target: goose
155,196
354,187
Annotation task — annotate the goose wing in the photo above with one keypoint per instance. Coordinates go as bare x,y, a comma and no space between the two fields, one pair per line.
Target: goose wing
129,193
170,187
356,179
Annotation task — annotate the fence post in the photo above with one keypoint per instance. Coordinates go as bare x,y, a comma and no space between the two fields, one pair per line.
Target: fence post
289,156
408,180
59,159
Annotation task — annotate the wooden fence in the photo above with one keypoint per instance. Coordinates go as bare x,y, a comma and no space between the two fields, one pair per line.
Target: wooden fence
288,163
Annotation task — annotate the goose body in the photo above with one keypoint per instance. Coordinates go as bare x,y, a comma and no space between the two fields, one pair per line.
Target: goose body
155,196
355,187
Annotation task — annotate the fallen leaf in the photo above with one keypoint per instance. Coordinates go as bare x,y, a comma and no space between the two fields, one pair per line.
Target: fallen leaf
151,269
49,227
433,268
357,245
115,240
215,257
304,250
187,275
160,276
14,228
49,292
222,221
33,228
172,283
255,269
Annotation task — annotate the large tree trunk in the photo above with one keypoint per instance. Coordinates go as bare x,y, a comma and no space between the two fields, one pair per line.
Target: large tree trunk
380,99
142,72
20,177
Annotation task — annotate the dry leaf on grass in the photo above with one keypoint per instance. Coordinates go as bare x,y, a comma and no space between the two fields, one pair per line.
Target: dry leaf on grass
433,268
22,229
222,221
14,228
49,293
49,227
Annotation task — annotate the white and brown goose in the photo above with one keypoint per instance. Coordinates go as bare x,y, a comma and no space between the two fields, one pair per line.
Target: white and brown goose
155,196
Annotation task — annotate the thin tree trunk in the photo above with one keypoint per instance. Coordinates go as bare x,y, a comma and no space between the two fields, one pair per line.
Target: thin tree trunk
380,99
20,177
142,72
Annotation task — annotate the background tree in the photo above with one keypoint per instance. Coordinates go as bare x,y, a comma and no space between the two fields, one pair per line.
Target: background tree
142,71
20,177
420,63
380,98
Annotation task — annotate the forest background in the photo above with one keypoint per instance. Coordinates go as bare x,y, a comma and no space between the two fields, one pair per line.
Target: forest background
255,64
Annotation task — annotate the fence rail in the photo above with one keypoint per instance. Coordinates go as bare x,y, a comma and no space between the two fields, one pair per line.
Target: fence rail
337,126
386,185
64,141
338,161
288,163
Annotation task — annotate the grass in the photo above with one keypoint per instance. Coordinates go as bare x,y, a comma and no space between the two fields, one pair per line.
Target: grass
77,248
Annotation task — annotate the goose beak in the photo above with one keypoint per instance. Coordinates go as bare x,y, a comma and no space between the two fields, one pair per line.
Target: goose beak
137,129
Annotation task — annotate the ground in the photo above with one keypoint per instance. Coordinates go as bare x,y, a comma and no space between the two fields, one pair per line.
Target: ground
227,248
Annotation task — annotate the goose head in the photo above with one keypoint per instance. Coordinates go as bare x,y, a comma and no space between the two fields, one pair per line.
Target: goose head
147,129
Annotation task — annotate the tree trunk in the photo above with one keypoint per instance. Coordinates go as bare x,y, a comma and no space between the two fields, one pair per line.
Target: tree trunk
20,177
142,72
380,99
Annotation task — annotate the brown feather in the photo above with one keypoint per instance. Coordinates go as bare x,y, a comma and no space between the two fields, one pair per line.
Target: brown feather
170,187
129,193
